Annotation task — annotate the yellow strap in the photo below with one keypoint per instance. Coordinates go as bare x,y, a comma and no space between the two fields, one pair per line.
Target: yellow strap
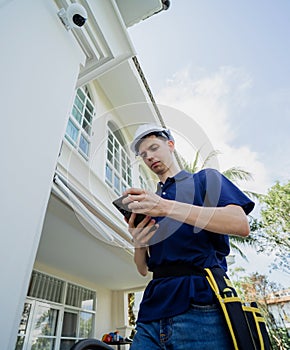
257,319
212,281
214,286
254,311
251,309
231,300
259,331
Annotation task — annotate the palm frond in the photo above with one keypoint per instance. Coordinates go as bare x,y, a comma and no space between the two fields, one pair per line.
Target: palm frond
212,154
237,173
244,240
235,248
194,164
253,195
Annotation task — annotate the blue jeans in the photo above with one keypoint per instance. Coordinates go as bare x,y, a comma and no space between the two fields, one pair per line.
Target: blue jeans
200,328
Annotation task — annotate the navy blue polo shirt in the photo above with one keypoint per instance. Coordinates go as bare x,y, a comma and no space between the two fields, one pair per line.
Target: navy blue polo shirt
178,242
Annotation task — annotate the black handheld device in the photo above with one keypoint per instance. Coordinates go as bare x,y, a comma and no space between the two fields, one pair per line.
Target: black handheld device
123,208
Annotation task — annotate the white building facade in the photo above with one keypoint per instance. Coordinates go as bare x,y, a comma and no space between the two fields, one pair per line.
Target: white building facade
71,101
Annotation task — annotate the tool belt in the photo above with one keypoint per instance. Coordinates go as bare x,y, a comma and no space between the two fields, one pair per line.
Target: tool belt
245,323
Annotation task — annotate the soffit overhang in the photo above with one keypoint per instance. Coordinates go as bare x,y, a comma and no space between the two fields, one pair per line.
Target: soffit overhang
138,10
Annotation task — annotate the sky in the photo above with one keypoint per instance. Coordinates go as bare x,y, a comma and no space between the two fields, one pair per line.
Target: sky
224,67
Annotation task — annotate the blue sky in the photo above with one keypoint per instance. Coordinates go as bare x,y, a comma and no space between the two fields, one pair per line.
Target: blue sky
241,51
226,65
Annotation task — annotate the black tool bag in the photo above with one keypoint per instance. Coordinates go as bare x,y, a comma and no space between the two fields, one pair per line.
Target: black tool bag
245,322
246,325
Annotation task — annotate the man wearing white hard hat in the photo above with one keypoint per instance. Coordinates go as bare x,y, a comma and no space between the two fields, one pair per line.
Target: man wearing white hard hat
186,228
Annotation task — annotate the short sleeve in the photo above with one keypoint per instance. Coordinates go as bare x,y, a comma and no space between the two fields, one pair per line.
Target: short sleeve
220,192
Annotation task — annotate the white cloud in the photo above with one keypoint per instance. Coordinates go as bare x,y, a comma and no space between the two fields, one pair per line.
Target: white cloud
214,102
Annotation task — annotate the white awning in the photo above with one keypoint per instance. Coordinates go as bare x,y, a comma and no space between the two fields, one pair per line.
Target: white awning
89,215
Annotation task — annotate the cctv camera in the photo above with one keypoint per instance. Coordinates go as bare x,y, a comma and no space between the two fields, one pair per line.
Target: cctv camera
75,16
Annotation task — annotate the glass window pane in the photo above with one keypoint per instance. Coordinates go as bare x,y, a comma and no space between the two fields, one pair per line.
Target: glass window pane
117,146
109,156
66,344
88,302
120,160
69,326
46,322
19,343
110,146
124,187
79,104
81,94
109,173
116,154
90,107
82,115
24,318
123,163
88,116
84,145
117,183
86,127
72,131
86,322
77,115
117,165
43,344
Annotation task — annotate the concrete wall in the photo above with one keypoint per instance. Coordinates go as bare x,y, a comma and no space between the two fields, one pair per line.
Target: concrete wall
40,63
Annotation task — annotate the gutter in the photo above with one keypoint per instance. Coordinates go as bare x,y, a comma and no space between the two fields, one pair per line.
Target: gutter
152,99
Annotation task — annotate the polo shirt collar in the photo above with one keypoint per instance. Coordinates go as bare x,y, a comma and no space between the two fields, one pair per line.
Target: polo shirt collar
178,177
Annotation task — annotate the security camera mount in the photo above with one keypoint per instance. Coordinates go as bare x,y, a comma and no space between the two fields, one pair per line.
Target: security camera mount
74,16
63,17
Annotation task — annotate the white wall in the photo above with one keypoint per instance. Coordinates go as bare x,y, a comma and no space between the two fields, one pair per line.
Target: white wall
39,68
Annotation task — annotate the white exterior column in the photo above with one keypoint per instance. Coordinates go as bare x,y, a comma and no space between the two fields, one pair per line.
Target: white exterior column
119,312
39,67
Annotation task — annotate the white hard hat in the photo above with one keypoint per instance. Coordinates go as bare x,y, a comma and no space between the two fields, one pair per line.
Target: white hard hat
147,129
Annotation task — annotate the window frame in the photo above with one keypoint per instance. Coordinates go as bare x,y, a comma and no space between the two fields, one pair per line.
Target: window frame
118,164
36,294
79,127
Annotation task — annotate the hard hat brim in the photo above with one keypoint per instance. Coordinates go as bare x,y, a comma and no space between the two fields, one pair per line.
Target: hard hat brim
140,136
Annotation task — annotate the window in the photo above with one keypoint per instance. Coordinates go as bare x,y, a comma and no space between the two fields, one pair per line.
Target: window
79,126
118,165
145,181
53,304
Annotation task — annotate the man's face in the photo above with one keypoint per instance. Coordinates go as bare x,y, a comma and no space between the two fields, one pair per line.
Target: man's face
157,154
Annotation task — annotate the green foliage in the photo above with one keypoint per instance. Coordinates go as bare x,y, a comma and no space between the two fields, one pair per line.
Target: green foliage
275,213
131,303
131,315
272,232
194,166
256,287
237,173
